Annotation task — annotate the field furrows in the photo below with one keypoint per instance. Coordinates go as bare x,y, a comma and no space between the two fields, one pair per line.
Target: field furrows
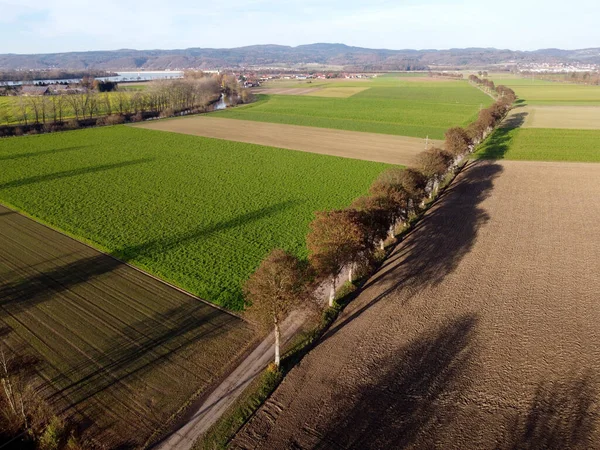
116,348
480,331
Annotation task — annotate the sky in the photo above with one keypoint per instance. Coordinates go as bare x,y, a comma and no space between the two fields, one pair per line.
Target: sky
34,26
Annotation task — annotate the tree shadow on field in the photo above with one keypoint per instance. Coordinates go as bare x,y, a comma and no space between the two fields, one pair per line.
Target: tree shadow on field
410,394
515,120
435,247
43,286
70,173
142,347
563,415
498,143
161,245
41,153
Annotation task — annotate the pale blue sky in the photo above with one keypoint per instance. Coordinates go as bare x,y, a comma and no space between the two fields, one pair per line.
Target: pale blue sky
33,26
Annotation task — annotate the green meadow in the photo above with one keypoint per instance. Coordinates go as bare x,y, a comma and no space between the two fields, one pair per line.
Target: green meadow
389,105
198,212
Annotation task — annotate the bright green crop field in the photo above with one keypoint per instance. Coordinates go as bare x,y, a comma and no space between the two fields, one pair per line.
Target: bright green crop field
389,106
542,92
542,144
198,212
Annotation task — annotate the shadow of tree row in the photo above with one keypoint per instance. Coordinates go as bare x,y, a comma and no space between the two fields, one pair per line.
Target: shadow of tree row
416,394
438,243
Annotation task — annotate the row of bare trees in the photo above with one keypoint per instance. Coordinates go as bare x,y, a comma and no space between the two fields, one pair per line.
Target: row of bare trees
165,97
351,238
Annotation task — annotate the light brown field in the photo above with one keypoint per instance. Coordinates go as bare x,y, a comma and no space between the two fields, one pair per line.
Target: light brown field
348,144
337,92
481,331
288,90
565,117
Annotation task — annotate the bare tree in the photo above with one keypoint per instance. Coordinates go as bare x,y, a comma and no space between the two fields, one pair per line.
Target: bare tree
274,290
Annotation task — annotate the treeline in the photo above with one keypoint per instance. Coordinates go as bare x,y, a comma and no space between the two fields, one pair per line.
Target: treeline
353,238
53,74
88,107
592,78
454,75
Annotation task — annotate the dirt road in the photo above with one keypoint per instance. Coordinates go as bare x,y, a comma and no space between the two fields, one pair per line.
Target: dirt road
348,144
482,330
207,413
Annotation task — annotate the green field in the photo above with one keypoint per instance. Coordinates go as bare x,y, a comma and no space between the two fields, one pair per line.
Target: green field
542,92
389,106
542,144
199,212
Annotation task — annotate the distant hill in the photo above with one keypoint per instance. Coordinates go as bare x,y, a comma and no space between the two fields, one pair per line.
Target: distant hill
322,55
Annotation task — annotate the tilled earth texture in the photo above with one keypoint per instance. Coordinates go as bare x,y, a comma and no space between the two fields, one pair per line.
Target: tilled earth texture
481,331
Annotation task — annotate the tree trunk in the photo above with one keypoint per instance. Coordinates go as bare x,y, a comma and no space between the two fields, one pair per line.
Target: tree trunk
277,339
332,292
350,272
382,244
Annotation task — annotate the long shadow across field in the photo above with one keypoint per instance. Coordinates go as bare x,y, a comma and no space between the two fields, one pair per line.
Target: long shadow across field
43,286
400,402
498,143
438,243
41,153
71,173
563,415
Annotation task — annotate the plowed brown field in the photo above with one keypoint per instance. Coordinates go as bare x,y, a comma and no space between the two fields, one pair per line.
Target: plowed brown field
384,148
482,330
115,348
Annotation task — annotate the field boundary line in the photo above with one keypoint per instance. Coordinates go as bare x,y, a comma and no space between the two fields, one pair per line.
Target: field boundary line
90,245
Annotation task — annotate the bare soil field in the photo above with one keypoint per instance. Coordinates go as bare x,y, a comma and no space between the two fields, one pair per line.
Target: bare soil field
115,349
481,331
348,144
287,90
564,117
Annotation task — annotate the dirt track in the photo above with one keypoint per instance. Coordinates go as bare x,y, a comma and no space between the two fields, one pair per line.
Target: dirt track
481,331
348,144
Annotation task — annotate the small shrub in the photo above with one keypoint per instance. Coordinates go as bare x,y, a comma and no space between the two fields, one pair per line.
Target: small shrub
345,289
52,435
137,117
167,113
101,121
72,124
49,128
19,131
115,119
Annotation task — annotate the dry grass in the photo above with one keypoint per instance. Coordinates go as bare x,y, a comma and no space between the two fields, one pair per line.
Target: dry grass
116,349
348,144
563,117
481,330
